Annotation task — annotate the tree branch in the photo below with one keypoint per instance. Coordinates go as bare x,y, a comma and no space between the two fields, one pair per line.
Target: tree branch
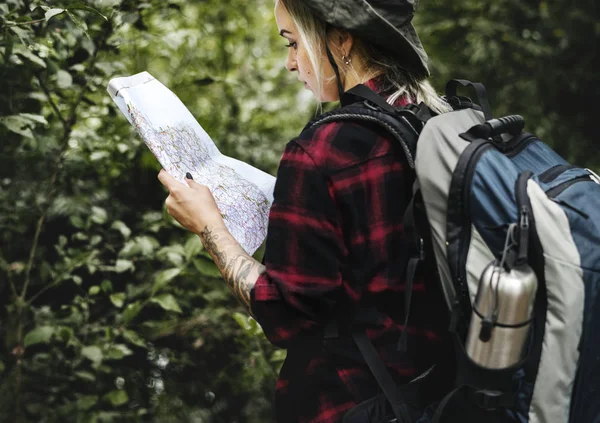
4,265
59,279
27,22
52,103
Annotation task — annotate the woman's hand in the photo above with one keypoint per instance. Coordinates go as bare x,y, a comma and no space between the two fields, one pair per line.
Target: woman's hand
193,206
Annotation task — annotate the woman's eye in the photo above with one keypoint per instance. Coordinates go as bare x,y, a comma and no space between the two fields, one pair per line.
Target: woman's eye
292,45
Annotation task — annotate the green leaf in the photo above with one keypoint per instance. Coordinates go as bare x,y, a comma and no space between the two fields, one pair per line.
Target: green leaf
39,335
118,351
76,221
83,6
131,311
99,215
22,123
141,245
123,266
78,67
79,23
192,247
121,227
163,278
85,402
255,328
17,124
34,118
250,326
117,397
22,33
216,295
106,286
172,253
65,333
278,356
2,367
90,377
206,267
167,302
118,299
134,338
94,290
80,236
99,155
242,320
92,353
50,13
63,79
147,244
29,55
96,239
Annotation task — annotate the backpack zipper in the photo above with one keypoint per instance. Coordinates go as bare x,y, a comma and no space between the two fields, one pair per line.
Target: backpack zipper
456,254
525,214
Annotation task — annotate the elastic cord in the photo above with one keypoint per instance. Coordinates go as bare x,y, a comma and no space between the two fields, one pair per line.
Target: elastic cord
334,66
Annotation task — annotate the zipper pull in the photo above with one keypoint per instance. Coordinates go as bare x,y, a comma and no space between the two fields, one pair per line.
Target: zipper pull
421,250
523,235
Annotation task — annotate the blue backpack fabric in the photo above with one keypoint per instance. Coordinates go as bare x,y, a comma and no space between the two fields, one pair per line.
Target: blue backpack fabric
477,178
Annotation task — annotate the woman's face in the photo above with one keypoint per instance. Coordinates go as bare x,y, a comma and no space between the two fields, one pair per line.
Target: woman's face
298,61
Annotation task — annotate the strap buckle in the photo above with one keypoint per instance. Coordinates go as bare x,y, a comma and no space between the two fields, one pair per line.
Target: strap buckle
488,400
419,111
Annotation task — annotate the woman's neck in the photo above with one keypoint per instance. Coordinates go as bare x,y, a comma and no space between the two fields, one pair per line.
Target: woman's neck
352,80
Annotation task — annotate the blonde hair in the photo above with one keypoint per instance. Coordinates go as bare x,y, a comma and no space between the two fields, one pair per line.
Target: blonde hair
367,61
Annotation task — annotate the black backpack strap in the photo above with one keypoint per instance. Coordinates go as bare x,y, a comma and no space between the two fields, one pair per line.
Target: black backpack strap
467,396
388,386
403,123
362,92
453,84
416,251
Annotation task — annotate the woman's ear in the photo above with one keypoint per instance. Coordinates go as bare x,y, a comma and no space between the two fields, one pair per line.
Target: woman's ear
346,42
342,41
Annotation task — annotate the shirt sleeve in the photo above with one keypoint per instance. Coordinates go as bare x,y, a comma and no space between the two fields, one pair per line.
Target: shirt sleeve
303,254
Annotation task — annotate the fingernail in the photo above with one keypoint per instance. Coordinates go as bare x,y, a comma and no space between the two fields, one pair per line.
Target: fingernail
189,176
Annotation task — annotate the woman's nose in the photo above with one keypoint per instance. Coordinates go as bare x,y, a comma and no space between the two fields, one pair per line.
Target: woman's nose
290,63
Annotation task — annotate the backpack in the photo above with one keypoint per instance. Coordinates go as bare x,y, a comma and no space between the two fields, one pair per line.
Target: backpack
491,200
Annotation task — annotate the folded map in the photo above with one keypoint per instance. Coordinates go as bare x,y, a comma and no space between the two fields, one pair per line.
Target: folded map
243,193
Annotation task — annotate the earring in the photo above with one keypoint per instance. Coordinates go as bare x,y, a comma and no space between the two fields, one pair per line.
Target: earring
346,60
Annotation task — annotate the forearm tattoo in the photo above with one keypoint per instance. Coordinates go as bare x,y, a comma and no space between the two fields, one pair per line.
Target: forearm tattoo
238,268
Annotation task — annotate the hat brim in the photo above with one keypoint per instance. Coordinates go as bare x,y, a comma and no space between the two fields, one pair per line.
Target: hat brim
394,42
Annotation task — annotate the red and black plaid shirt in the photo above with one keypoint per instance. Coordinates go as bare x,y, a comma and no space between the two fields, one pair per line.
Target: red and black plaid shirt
336,239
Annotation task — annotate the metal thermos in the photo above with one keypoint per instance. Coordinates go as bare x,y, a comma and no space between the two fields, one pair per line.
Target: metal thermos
501,316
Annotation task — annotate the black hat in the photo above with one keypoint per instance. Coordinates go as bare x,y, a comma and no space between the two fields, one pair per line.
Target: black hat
384,23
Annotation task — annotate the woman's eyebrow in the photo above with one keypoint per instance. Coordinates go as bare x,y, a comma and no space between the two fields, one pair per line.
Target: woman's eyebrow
284,31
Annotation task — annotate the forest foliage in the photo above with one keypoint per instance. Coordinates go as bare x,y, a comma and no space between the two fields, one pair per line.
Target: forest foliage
109,310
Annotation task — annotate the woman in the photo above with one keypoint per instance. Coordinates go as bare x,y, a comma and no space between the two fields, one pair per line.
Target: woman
336,249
